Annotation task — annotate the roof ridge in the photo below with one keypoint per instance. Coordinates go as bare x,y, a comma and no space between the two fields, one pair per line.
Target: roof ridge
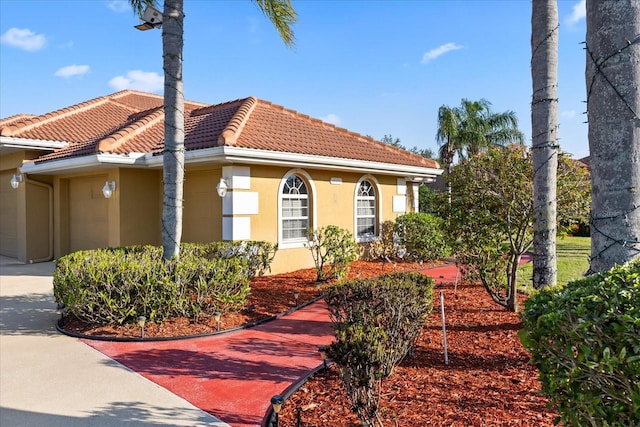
231,131
36,121
131,130
126,92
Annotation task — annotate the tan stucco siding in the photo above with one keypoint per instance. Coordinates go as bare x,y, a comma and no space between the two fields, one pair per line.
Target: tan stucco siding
8,216
140,204
331,204
202,214
88,213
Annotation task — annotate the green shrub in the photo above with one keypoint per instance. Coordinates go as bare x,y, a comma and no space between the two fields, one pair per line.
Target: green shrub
377,322
333,249
259,254
585,340
386,245
422,235
116,285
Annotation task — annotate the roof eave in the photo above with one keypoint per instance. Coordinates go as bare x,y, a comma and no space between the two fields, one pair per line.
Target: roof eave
277,158
30,144
79,164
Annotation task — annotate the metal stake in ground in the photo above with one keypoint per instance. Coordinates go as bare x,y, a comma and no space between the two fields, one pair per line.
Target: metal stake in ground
444,330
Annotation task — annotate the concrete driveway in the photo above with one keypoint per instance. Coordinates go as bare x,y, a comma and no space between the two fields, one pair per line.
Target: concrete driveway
49,379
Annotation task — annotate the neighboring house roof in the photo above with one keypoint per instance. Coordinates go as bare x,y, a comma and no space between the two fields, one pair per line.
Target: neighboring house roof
586,161
130,124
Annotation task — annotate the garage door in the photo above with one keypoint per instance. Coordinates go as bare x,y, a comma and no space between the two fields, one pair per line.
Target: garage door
88,216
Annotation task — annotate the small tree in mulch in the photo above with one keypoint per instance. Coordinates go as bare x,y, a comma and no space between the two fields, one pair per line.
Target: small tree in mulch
490,218
377,322
333,249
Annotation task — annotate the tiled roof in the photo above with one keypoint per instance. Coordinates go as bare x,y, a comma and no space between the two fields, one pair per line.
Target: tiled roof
15,119
132,122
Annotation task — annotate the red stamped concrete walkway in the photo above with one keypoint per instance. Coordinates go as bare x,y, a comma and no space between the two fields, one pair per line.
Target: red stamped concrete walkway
234,375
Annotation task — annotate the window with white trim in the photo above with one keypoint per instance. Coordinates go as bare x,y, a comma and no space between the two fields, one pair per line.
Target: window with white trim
295,209
366,212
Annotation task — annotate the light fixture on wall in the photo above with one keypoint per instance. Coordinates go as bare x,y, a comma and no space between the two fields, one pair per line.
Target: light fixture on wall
222,187
108,189
16,180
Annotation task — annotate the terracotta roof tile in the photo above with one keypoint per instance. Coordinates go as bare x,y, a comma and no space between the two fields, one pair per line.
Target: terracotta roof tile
14,119
130,121
275,128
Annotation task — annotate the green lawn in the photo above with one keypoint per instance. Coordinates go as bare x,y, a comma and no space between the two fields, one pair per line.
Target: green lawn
573,261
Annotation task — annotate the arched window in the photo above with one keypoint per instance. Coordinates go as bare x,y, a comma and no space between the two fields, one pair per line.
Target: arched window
294,214
366,211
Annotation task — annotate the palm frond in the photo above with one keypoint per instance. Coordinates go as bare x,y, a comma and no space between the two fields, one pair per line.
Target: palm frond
282,15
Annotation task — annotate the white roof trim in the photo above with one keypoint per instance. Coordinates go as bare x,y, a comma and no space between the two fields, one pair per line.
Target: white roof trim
228,155
278,158
31,144
76,164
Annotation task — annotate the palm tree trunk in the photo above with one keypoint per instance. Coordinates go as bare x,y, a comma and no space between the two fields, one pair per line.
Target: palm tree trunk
173,155
544,126
613,101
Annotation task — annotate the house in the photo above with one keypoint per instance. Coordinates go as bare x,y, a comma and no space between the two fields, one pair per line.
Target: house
90,176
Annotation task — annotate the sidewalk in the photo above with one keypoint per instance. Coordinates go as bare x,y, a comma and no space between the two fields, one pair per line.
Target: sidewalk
54,380
49,379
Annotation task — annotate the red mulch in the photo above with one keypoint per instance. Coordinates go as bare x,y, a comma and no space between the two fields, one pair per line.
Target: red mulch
488,381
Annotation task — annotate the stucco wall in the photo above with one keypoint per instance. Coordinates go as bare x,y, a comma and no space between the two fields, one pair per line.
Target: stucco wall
84,219
202,216
332,204
140,206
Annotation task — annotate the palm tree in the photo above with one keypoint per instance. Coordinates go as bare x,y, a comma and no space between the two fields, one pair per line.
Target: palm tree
613,104
447,137
471,128
281,14
481,128
544,125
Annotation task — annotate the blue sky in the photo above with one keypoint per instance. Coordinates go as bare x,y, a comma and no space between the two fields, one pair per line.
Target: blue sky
373,67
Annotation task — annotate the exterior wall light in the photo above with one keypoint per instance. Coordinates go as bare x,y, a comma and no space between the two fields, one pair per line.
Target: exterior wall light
108,189
222,187
16,180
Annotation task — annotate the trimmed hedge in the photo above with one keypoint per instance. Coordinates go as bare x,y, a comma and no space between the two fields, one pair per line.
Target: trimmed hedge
116,285
585,340
377,322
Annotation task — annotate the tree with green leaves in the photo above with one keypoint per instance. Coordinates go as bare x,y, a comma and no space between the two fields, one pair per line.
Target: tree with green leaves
427,153
281,14
613,106
490,217
544,125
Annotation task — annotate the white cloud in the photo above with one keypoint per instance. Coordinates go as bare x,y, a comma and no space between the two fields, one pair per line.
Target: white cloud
72,70
138,80
439,51
23,38
331,118
579,12
569,114
119,6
